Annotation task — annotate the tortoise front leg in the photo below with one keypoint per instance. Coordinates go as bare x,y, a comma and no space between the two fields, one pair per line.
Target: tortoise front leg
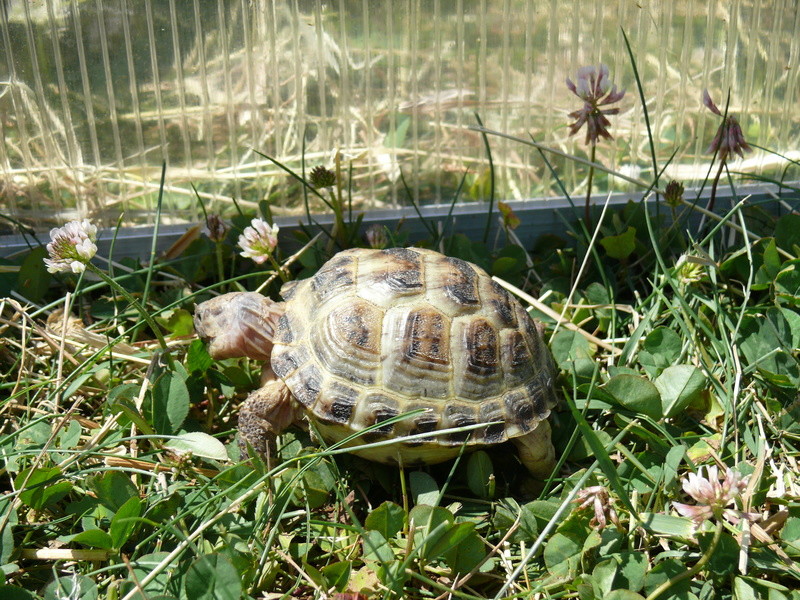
265,414
536,451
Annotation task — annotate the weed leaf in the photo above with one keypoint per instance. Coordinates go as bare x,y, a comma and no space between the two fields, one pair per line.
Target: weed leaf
424,488
71,586
766,343
388,519
480,474
787,284
679,386
635,393
213,577
660,349
12,592
125,521
603,576
95,538
197,357
113,489
42,487
664,571
376,548
632,568
623,595
787,233
337,574
467,553
661,524
450,537
198,444
620,246
33,278
169,403
572,352
562,554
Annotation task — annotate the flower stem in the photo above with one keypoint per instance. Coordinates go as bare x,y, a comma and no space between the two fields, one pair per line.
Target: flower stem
220,266
148,318
278,269
714,185
337,221
587,215
695,569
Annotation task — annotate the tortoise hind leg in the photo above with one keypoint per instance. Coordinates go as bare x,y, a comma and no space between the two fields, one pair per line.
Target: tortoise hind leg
265,414
536,451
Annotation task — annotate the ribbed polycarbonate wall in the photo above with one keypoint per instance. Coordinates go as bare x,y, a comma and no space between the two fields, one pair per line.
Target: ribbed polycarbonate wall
96,94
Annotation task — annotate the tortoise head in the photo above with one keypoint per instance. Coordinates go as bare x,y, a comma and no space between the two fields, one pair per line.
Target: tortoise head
238,324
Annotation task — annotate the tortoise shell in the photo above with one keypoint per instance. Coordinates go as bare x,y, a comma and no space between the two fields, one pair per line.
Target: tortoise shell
378,333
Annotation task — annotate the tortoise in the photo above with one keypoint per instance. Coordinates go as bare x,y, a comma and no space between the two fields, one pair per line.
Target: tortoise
379,333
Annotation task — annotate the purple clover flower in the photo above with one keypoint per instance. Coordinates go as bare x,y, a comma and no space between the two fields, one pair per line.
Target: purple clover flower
595,89
729,138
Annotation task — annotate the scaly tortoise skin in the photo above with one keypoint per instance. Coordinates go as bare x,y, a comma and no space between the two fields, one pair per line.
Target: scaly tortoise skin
378,333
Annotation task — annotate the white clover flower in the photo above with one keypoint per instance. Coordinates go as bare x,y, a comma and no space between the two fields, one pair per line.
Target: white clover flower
691,269
71,247
713,497
599,499
259,240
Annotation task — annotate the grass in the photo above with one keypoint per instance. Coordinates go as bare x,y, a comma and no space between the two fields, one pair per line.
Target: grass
677,347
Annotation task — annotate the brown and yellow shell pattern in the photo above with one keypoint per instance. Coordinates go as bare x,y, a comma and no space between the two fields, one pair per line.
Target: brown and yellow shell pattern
378,333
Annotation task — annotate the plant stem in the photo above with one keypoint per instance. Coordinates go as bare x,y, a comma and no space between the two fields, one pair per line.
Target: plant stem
695,569
220,266
587,215
491,180
337,222
713,198
278,269
148,318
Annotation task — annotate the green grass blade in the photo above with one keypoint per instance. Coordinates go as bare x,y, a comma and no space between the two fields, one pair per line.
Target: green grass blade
491,180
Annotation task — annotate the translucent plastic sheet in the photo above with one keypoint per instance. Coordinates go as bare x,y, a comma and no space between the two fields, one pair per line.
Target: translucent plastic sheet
96,94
